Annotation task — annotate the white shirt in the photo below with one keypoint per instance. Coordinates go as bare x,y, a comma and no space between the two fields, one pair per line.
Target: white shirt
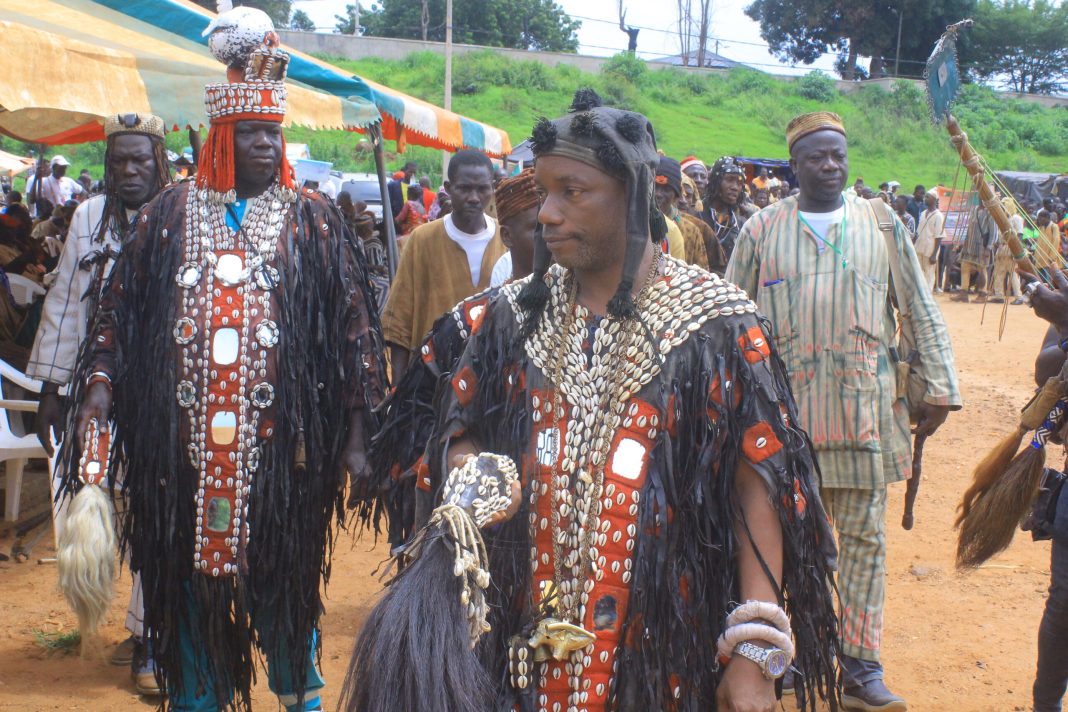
502,271
820,223
931,228
65,318
474,245
58,191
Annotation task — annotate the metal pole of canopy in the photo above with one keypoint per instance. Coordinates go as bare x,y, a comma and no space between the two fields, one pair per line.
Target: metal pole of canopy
194,143
375,133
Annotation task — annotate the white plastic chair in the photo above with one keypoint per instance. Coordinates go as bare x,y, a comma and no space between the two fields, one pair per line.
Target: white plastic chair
16,445
24,290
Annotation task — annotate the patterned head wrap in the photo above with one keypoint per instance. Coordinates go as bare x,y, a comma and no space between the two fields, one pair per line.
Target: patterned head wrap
619,143
801,126
516,194
725,166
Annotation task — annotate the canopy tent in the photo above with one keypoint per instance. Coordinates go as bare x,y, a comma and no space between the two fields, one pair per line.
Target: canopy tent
10,164
87,61
404,118
1036,186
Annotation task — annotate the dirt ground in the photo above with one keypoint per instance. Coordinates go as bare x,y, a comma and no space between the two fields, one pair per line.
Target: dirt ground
960,642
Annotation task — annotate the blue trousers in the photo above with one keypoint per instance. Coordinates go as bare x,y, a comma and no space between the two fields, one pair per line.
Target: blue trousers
1051,679
197,693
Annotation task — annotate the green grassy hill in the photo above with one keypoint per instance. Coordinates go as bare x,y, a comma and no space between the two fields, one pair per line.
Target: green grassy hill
743,112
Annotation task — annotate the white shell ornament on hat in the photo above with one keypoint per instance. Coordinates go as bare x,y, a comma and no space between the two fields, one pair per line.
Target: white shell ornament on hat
236,33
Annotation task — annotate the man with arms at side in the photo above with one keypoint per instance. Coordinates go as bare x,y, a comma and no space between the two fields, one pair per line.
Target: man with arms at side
818,267
443,261
977,253
723,211
239,358
916,203
135,170
929,235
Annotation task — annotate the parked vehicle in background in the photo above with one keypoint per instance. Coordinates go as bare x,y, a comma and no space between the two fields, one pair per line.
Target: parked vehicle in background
364,187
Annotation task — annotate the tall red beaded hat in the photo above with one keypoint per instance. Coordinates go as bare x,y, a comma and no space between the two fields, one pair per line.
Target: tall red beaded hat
245,40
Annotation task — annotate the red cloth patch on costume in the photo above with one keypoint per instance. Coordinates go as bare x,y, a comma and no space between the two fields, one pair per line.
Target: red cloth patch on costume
716,395
672,419
427,352
422,474
754,345
464,384
760,443
474,313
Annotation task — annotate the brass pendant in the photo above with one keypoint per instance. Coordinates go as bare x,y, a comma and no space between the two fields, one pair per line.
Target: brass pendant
558,639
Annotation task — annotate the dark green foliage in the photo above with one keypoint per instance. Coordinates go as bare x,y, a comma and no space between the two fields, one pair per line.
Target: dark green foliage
301,21
1025,41
817,86
520,24
803,30
475,71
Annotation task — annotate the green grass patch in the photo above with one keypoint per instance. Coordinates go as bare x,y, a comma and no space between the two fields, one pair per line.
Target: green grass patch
62,643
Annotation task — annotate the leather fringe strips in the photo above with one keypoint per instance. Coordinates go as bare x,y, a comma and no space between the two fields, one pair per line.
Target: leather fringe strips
694,549
292,513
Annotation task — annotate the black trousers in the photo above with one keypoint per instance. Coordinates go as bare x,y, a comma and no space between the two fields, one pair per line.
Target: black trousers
1052,677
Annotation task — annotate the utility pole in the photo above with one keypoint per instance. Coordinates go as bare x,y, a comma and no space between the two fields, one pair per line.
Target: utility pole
897,55
448,78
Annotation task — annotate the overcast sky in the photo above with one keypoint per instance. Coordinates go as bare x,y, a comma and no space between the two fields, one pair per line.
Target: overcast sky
739,37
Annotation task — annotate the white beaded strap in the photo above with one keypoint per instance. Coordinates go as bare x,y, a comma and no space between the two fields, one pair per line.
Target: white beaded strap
753,631
760,610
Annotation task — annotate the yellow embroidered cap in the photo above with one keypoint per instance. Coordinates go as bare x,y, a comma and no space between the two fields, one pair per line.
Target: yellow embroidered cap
805,124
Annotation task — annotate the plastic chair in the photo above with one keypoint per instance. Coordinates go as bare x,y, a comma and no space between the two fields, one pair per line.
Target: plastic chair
24,290
16,445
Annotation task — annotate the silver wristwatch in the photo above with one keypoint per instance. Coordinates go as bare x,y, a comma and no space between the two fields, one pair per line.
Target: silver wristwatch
772,661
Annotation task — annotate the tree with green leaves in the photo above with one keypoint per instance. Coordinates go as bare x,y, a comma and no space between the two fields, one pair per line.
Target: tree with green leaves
301,21
804,30
1023,43
278,10
346,24
520,24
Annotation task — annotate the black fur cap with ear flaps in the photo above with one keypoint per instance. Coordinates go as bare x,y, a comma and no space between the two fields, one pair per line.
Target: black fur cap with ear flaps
622,144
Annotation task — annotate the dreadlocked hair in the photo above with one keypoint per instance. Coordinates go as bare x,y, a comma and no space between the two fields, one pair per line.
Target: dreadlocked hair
114,212
585,99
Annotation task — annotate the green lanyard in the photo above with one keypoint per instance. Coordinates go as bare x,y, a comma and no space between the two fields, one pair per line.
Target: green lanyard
841,232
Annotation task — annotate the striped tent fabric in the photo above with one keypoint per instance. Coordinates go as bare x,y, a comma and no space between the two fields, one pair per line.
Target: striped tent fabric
83,60
405,119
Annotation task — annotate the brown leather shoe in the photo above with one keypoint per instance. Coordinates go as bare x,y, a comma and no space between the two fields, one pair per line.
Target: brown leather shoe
145,682
124,652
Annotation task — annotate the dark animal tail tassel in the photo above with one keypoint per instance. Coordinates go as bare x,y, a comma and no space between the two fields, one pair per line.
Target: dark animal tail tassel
992,518
989,470
414,652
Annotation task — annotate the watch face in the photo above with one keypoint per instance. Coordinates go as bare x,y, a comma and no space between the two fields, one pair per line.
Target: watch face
776,664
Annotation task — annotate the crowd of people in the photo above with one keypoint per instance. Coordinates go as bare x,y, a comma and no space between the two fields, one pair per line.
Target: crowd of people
630,421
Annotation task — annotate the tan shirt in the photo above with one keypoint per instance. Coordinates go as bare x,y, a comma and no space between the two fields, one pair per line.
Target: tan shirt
432,277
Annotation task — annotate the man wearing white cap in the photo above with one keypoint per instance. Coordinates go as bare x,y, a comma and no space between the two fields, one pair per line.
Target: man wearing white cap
56,188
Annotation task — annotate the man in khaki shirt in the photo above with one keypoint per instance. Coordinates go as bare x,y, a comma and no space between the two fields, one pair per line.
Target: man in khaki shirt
445,261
